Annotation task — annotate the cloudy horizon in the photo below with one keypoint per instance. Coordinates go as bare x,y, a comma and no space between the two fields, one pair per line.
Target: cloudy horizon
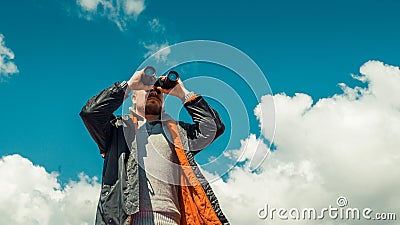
321,146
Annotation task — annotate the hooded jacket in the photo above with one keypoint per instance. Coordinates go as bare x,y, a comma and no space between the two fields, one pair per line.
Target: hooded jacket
119,197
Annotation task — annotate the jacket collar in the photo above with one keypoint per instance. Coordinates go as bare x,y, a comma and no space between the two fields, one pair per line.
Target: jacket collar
127,118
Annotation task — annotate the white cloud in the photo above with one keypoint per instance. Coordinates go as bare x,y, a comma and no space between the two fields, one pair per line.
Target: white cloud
253,150
161,51
345,145
7,67
89,5
118,11
156,26
133,7
30,195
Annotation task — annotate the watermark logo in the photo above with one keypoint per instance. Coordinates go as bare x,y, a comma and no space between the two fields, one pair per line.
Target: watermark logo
342,201
341,212
227,78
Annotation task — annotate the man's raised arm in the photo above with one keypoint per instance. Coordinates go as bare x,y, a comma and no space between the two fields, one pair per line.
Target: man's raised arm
98,111
207,122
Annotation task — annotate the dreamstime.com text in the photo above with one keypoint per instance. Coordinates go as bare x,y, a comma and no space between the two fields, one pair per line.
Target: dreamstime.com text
342,212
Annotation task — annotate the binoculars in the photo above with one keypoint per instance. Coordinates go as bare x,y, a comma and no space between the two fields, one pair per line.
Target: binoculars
171,79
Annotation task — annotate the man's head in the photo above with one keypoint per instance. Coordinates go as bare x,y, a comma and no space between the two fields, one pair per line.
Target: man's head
148,102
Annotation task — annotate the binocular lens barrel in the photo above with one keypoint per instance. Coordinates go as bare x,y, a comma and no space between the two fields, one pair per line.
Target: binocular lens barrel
173,76
150,71
169,82
171,79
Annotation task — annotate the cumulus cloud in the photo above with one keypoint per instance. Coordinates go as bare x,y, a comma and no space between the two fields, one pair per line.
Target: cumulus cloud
7,67
344,145
133,7
118,11
161,51
156,26
31,195
160,48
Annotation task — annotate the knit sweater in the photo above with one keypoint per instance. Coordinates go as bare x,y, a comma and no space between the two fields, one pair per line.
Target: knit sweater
159,172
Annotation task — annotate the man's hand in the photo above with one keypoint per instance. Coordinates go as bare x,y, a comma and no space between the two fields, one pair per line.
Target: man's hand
178,91
140,81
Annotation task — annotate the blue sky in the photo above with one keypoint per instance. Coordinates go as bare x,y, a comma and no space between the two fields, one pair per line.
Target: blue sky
65,58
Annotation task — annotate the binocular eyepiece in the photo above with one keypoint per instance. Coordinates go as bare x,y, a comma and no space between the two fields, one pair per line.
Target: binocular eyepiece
171,79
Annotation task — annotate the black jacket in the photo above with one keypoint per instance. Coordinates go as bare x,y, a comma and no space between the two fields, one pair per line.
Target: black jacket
105,128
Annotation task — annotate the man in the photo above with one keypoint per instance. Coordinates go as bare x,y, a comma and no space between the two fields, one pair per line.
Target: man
149,174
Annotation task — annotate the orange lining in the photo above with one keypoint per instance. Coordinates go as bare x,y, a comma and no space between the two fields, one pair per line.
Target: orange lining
191,98
197,208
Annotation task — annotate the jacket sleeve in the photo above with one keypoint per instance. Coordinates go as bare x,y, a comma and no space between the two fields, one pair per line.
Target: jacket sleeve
207,124
98,112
